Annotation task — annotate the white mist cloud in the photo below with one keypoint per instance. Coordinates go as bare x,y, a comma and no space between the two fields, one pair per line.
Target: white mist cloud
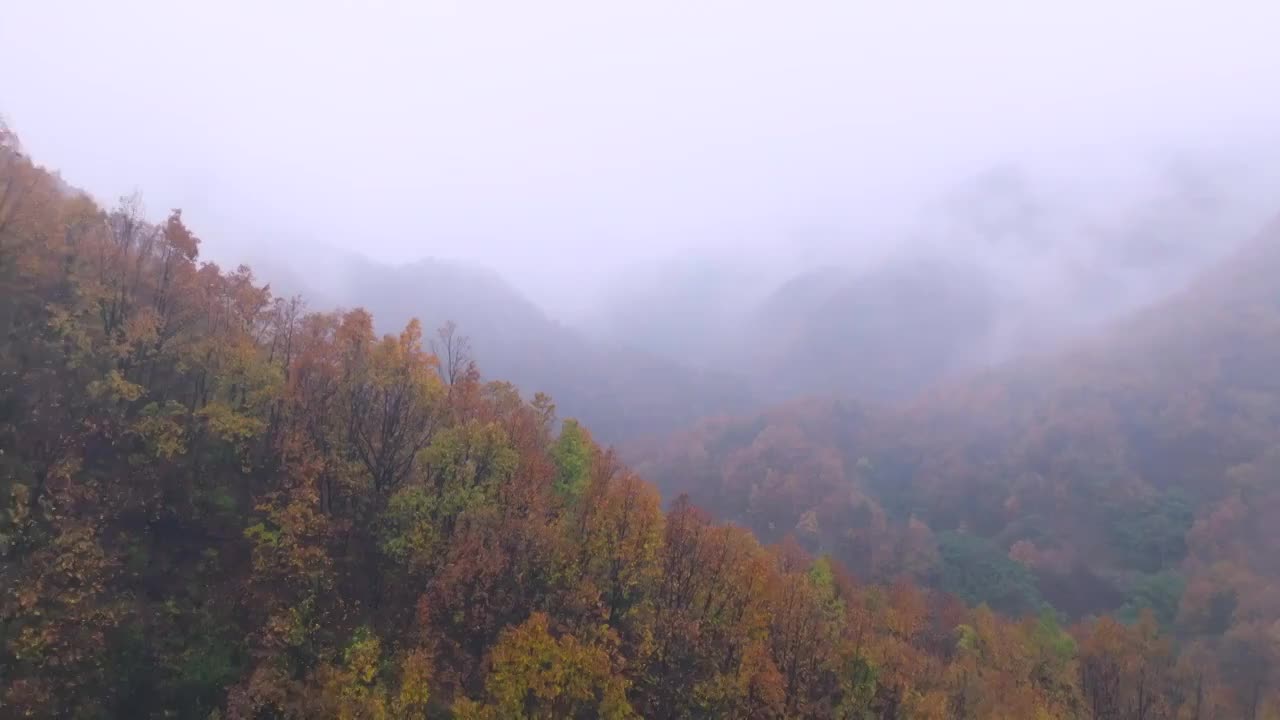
558,141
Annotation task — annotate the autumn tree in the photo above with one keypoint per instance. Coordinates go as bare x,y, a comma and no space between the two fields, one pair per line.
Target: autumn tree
537,676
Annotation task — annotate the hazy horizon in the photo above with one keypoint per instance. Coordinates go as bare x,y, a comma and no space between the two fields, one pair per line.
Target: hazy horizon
562,144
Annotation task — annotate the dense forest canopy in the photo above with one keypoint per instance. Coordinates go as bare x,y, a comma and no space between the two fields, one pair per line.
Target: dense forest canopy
745,360
1127,475
218,503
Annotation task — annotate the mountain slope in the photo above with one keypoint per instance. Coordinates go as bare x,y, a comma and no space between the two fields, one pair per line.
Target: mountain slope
877,335
215,504
1087,468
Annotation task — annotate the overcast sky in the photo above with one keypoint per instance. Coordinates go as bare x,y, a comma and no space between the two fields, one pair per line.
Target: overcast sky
552,139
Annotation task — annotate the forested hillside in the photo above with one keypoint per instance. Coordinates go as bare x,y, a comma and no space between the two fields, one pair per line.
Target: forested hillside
1130,474
621,389
214,503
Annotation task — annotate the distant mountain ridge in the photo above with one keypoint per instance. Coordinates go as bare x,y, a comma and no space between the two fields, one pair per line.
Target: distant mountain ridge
1008,264
621,392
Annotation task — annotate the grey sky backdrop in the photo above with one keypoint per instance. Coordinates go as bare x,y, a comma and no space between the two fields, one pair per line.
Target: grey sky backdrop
558,141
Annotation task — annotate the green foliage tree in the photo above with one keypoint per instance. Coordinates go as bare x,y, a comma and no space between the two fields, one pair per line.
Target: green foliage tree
978,572
572,455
